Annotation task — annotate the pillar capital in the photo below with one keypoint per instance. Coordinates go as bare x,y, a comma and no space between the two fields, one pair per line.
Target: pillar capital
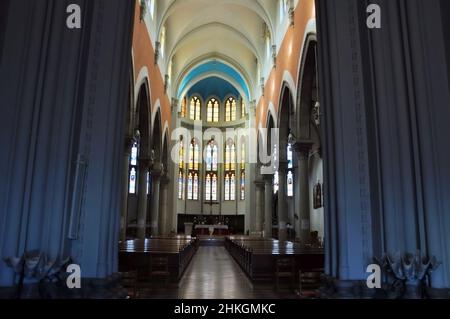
157,170
128,144
165,180
267,178
303,147
145,163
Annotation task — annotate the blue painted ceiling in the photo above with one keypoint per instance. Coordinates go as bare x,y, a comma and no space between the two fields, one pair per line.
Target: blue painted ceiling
214,67
213,86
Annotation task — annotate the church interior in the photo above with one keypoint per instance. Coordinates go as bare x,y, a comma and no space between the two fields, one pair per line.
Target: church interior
226,149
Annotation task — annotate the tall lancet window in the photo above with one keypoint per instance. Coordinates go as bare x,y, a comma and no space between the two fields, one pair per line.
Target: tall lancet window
276,178
181,178
193,174
195,109
243,109
184,107
242,166
230,109
230,170
211,171
290,174
213,111
133,171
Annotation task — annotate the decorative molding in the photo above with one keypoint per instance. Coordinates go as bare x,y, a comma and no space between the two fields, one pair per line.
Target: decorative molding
274,55
291,16
157,51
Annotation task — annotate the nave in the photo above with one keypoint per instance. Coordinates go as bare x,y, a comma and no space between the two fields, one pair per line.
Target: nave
213,274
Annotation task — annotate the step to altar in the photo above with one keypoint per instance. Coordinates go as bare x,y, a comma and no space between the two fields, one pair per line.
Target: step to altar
211,240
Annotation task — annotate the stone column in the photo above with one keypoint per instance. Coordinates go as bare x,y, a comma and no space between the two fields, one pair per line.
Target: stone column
282,204
144,164
268,186
302,209
125,176
259,199
163,207
156,183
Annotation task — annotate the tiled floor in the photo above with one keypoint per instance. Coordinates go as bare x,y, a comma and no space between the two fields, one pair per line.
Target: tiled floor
213,274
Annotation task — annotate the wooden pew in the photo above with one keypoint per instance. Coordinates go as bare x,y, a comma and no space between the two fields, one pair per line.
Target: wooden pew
137,254
258,256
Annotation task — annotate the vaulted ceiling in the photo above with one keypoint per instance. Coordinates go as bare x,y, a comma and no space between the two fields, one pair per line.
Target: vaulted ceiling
226,33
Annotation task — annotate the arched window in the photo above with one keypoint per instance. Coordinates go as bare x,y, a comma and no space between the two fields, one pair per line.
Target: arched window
290,174
230,110
230,171
276,179
133,171
211,171
243,109
213,111
195,109
193,170
242,184
181,169
184,107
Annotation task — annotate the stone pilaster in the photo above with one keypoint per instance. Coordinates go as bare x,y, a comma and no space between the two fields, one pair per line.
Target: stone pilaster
144,164
302,207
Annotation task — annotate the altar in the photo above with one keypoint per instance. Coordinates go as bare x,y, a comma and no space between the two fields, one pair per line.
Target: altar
212,230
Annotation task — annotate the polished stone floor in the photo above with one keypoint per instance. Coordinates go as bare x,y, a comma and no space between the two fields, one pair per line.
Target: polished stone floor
213,274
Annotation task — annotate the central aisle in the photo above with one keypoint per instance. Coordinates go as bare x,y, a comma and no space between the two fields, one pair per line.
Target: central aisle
213,274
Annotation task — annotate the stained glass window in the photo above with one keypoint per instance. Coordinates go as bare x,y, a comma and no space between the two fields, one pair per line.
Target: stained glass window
289,156
214,187
275,175
195,187
242,183
233,187
213,111
230,110
208,187
134,154
290,174
190,185
290,184
230,171
193,170
180,185
181,169
133,170
195,109
211,171
183,107
275,182
133,175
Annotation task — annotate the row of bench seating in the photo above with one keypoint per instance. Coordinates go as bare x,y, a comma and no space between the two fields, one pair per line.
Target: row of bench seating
166,257
263,259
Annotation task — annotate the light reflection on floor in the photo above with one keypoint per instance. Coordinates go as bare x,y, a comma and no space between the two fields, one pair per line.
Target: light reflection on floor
213,274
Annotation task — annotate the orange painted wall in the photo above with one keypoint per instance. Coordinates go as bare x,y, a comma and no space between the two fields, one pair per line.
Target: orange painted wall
288,59
144,56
